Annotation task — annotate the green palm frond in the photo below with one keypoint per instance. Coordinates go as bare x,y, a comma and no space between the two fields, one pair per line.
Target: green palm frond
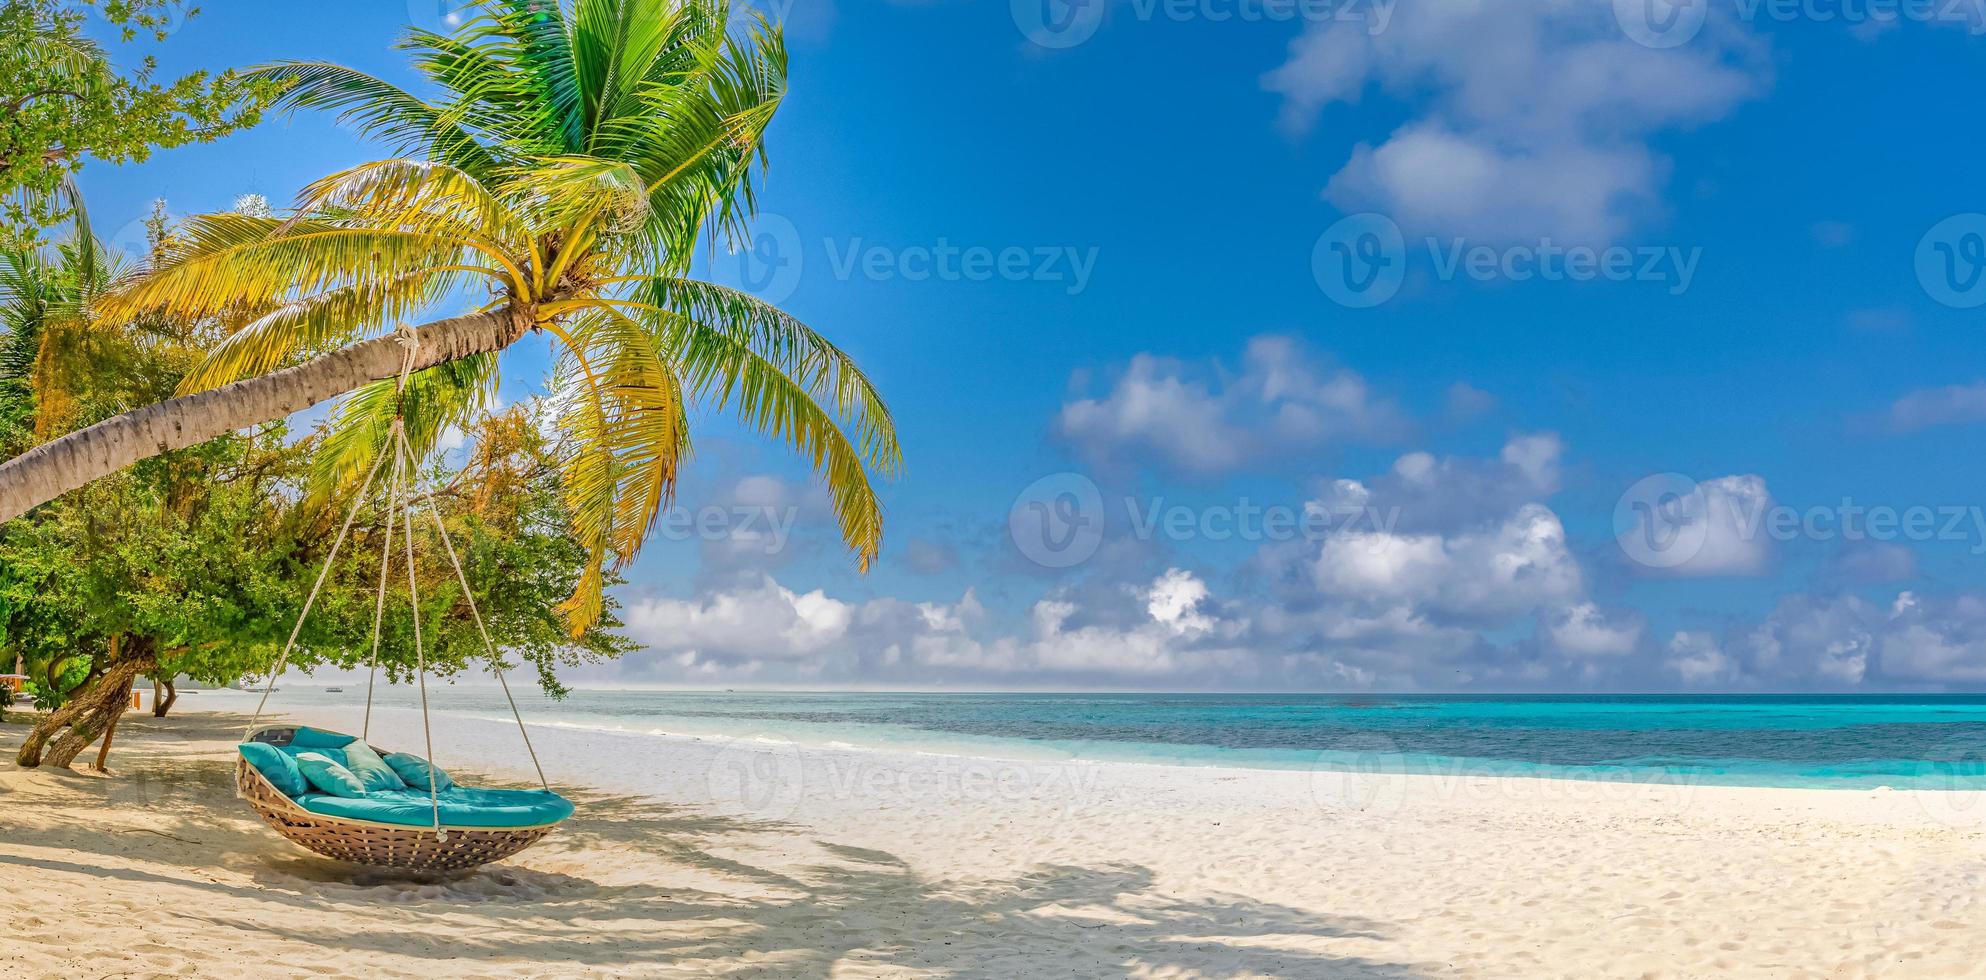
379,110
825,372
575,157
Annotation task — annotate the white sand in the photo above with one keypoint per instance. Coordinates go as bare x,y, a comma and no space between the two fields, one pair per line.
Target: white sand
722,858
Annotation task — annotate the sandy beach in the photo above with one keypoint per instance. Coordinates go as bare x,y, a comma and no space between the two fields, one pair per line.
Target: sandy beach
699,857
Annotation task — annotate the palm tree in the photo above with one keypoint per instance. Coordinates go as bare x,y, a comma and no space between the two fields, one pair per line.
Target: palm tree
578,154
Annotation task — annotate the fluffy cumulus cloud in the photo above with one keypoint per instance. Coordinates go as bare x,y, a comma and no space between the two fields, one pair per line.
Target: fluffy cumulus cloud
1427,559
1669,526
765,632
1199,419
1843,642
1512,566
1583,630
1532,118
1423,491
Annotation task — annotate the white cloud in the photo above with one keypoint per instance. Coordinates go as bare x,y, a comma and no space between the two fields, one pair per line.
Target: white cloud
1935,640
1707,529
1174,600
1845,642
1534,117
1814,642
1949,405
763,620
1205,421
1423,491
1699,660
1514,566
1583,630
1466,401
1430,179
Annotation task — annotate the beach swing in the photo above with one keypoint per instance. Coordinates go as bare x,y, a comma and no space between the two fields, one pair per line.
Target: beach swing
344,798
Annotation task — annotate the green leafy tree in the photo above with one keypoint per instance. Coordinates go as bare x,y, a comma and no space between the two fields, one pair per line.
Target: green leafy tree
573,159
196,562
65,102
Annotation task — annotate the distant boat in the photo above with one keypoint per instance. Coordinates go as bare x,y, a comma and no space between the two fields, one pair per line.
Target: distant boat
334,690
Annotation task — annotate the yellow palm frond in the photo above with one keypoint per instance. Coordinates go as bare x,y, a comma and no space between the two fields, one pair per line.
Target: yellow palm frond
231,264
315,323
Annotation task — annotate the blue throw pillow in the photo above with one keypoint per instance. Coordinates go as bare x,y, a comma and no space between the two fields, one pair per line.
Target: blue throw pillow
329,776
414,770
370,768
279,769
311,738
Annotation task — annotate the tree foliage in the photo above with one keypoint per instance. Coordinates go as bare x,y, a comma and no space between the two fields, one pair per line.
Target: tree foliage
573,158
65,102
199,561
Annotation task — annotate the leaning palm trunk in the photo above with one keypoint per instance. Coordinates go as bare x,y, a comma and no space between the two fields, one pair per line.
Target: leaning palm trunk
571,161
49,470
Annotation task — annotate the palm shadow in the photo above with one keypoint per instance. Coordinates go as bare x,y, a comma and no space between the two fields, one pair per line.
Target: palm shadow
683,891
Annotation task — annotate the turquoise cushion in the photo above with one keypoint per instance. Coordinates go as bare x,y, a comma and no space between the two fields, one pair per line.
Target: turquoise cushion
460,807
335,755
413,771
370,768
311,738
329,776
276,766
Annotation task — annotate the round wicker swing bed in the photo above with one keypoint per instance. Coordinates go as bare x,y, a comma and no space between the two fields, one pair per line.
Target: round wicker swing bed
370,841
486,825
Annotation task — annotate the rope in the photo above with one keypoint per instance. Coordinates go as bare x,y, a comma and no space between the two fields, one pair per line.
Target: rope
322,574
379,606
410,341
488,644
420,657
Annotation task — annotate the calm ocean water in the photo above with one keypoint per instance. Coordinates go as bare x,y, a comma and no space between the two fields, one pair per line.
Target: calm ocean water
1933,742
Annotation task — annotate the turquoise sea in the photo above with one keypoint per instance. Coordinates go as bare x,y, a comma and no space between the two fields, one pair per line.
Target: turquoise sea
1904,741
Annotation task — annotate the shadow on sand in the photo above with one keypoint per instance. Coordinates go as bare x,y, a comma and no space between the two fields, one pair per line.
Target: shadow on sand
686,896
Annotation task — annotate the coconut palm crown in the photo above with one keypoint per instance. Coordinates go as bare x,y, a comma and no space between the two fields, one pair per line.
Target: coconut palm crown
575,157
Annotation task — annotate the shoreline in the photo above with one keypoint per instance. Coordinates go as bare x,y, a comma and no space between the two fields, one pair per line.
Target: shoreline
1380,761
710,857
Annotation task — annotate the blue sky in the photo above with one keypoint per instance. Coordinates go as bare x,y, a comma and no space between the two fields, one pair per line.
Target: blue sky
1176,193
